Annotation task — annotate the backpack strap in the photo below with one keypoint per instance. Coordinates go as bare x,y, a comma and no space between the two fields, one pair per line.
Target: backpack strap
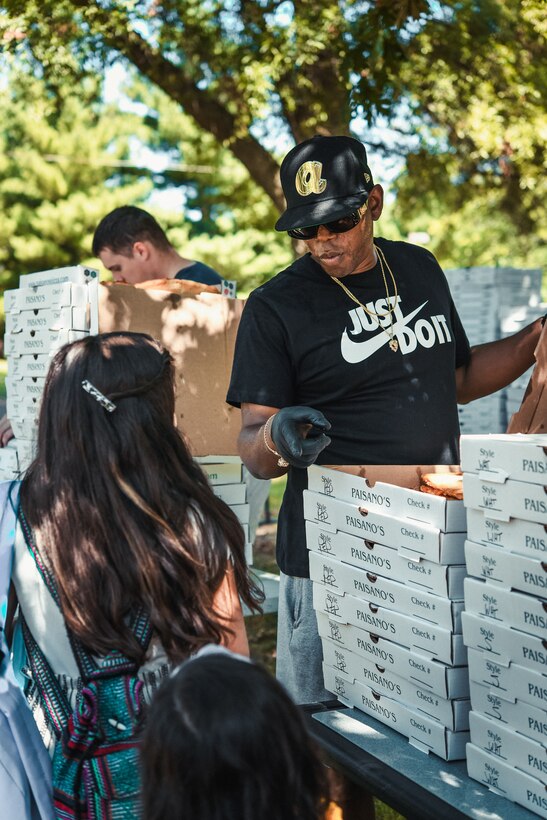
115,663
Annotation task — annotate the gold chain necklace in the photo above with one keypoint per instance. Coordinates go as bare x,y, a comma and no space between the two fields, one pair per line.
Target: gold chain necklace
393,343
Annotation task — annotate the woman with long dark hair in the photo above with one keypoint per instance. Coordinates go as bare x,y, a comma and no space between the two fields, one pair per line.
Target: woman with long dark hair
125,561
226,742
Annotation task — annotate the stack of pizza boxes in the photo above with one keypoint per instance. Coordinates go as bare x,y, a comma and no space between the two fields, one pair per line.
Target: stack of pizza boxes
505,618
224,474
47,310
387,565
489,302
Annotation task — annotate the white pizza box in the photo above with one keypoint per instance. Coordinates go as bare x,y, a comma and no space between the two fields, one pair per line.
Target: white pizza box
18,388
343,578
501,457
515,715
227,473
511,747
77,274
513,499
217,459
503,644
505,780
25,407
410,538
454,714
56,296
508,569
516,535
242,511
40,341
25,428
26,451
424,672
439,579
512,683
364,489
231,493
34,365
421,636
9,459
426,734
517,610
65,318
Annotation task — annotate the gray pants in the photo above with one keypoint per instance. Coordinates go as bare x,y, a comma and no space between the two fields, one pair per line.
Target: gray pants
299,652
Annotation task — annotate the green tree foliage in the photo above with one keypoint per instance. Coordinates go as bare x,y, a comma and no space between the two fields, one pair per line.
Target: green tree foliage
58,173
458,84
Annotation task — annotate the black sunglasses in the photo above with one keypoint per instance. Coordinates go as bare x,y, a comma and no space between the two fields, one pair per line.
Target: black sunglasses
345,223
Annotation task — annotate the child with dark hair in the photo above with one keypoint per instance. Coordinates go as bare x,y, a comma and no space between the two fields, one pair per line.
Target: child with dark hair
224,741
125,562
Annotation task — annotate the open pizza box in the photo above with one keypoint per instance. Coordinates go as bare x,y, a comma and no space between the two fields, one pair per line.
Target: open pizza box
532,414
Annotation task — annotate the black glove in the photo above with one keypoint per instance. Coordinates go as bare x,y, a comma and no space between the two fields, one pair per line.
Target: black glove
298,446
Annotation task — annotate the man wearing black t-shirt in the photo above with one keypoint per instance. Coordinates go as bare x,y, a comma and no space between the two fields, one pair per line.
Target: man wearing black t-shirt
355,354
134,248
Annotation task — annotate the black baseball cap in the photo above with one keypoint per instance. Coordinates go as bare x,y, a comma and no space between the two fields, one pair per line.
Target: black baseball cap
323,179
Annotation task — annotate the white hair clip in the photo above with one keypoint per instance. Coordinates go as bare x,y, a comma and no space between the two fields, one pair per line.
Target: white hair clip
98,396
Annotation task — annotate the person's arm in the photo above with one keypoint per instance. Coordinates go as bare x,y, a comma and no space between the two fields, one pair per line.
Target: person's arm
273,439
496,364
227,604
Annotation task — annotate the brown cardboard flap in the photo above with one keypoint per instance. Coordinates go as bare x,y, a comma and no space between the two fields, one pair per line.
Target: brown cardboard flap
402,475
199,331
532,414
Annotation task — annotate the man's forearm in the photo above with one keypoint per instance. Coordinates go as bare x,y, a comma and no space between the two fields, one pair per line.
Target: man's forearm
496,364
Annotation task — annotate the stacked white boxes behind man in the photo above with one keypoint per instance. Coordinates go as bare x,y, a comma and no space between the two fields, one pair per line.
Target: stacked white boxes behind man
388,569
49,309
492,303
505,618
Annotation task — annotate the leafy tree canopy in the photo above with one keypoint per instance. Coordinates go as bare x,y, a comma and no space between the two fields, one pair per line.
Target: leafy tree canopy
458,84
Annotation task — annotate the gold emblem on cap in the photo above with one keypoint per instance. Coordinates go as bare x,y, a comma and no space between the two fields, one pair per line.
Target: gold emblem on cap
308,179
367,177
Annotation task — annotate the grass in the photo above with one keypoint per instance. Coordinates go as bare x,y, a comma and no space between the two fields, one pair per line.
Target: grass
3,373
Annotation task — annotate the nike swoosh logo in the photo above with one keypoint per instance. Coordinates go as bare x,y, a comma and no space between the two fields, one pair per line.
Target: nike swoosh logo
354,352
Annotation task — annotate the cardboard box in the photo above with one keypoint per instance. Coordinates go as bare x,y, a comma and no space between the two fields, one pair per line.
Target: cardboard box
65,318
48,296
454,714
513,609
392,490
424,733
343,578
242,511
499,457
517,716
503,644
34,365
9,459
514,499
410,538
19,389
223,473
200,333
24,407
516,535
509,746
77,274
422,637
438,579
431,675
505,780
39,341
532,416
511,682
25,428
508,569
231,493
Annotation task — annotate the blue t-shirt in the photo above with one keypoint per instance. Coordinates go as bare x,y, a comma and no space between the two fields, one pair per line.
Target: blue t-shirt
199,272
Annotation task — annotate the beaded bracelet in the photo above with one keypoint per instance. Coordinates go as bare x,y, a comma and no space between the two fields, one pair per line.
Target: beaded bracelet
281,462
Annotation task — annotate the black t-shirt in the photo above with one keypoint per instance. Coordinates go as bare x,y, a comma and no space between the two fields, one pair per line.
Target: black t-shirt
303,341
